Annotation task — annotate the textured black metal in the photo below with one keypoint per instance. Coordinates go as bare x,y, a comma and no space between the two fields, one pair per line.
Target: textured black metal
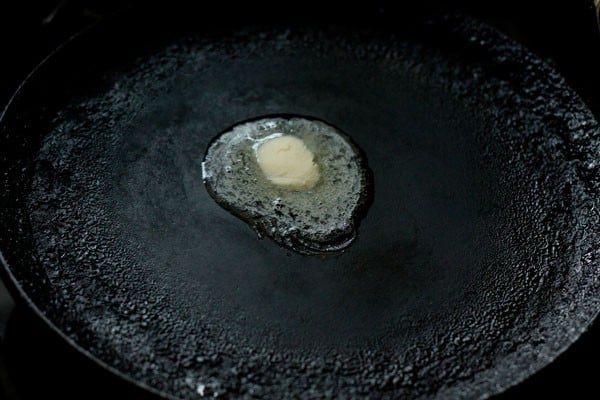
476,265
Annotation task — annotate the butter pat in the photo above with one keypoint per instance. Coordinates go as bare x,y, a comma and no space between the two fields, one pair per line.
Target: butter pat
288,163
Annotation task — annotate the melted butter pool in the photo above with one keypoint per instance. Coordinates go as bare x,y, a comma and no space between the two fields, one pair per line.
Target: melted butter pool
320,219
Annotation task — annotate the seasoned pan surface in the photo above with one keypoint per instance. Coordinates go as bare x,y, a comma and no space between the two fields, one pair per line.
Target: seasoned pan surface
475,265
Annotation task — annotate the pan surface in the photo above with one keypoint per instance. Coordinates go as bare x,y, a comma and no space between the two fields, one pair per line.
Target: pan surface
476,264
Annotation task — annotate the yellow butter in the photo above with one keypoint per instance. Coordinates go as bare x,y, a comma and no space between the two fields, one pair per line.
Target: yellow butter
288,163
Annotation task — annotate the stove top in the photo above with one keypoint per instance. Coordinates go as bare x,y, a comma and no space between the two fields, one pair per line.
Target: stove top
36,363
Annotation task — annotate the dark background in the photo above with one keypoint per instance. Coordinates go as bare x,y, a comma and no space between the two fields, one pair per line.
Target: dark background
35,363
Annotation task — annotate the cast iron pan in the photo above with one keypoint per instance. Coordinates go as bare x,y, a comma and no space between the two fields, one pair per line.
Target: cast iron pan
476,264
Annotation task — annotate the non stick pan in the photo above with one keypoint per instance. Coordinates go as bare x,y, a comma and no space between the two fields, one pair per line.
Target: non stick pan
475,265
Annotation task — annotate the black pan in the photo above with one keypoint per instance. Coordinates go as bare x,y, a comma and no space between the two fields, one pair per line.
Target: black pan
475,266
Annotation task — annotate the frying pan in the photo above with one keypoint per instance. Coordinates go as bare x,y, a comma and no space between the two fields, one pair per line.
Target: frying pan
475,266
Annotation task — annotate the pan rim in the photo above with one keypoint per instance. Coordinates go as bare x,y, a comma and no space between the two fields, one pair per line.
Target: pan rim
15,289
